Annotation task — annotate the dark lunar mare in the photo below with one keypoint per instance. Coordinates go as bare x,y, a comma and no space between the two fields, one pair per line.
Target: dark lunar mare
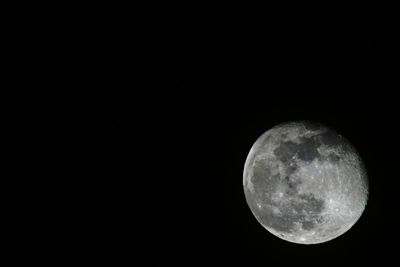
331,138
285,151
294,211
306,150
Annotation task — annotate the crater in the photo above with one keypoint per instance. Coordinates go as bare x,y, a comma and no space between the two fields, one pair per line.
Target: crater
307,225
291,168
333,158
291,186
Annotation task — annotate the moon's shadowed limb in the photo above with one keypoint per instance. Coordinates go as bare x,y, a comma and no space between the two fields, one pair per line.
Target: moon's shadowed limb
305,183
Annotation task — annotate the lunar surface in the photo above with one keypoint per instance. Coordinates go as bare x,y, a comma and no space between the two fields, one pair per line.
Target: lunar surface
305,183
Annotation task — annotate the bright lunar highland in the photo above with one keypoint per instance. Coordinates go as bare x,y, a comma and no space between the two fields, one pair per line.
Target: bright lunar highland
305,183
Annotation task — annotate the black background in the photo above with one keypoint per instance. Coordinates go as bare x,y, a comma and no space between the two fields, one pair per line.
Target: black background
167,99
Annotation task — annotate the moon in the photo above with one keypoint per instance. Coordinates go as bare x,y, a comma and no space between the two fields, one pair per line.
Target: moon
305,183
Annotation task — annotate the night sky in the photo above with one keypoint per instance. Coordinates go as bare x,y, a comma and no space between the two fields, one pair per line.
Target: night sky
166,101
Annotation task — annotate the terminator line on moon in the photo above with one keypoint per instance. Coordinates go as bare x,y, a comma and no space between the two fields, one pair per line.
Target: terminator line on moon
305,183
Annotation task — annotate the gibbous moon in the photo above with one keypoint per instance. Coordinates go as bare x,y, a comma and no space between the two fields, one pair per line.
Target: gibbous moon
305,183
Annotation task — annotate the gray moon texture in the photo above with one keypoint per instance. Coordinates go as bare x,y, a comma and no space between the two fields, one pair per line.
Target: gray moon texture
305,183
